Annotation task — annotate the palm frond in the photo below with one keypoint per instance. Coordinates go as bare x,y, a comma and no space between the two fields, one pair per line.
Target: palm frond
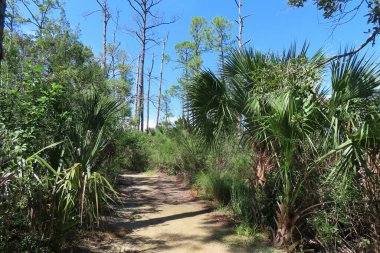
209,100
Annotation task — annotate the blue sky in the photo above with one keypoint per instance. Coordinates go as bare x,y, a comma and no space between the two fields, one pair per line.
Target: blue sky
273,26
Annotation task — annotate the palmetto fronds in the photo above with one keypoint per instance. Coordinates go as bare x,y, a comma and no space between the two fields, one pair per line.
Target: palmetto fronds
81,188
279,101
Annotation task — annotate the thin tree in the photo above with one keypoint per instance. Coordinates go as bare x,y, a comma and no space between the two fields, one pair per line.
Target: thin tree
113,51
221,37
106,18
161,75
146,21
3,6
240,21
148,95
41,19
137,88
200,33
189,63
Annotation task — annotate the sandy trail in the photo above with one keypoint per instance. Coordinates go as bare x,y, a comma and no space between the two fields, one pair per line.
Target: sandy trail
160,215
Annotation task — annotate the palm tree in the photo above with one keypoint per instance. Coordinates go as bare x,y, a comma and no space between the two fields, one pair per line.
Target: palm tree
80,184
278,100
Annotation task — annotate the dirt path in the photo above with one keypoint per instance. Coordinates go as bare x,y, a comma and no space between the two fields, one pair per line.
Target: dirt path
160,215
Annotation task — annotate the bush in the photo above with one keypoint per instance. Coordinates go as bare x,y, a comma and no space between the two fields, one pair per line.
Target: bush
215,185
176,150
163,152
133,150
346,221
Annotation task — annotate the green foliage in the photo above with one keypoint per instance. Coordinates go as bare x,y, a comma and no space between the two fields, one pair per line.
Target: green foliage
163,152
302,142
245,230
215,185
177,150
135,153
54,91
242,197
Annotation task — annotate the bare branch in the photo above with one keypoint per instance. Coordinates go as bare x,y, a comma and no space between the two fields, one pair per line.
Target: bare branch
100,4
353,52
152,4
160,24
90,13
139,12
246,16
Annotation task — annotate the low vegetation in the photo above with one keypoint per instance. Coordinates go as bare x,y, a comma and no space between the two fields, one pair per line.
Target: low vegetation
284,157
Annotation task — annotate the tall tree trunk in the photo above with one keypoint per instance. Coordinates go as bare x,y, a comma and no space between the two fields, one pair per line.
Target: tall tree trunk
137,88
140,120
221,53
161,75
105,22
148,95
3,6
241,20
144,11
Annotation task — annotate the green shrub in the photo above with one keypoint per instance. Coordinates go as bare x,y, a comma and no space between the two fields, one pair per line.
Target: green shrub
133,150
345,215
215,185
176,150
163,152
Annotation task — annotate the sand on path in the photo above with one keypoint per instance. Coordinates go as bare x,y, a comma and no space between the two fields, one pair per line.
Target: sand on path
159,214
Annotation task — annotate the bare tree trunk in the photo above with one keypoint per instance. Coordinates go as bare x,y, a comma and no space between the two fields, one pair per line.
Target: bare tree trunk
161,74
221,53
144,11
148,95
105,23
137,88
140,119
241,21
3,6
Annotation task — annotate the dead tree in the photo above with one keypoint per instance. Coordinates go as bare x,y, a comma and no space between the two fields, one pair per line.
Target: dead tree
137,88
148,95
240,21
161,75
146,20
106,18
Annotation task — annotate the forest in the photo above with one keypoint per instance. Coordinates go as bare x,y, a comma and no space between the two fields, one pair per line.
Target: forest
282,144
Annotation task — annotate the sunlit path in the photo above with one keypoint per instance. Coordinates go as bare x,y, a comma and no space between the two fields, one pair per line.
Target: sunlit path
160,215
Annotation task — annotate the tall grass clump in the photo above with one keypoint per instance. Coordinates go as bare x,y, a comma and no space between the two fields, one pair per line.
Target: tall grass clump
215,185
